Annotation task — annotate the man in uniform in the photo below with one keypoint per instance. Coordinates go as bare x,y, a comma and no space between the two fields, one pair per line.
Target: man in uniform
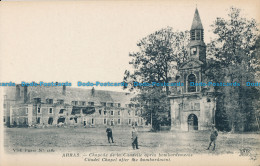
213,137
134,138
109,135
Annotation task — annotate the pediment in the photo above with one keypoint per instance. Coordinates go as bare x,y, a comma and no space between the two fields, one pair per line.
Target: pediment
193,63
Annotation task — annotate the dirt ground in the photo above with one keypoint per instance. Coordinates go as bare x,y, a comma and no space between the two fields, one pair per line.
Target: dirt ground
95,140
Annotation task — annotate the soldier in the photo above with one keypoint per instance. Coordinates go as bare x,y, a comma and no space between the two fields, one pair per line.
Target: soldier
109,135
213,137
134,138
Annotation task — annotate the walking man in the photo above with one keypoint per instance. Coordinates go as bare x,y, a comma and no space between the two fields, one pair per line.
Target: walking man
213,137
109,135
134,138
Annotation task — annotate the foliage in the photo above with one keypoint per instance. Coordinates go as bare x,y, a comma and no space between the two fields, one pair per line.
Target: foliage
158,57
235,59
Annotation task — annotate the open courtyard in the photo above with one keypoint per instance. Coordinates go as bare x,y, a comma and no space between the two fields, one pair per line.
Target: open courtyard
95,140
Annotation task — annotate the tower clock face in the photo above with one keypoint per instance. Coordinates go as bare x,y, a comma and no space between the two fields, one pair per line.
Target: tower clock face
193,51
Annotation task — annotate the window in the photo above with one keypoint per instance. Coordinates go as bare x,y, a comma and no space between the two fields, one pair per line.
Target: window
193,51
92,121
38,120
37,100
129,121
105,112
208,100
49,101
39,110
118,113
118,121
50,111
4,105
50,121
100,111
119,105
91,103
111,104
61,111
112,122
112,113
26,111
129,112
191,78
103,104
136,112
60,101
198,37
105,121
83,103
192,34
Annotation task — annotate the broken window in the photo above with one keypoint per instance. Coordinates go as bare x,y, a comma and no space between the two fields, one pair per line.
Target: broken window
100,111
105,112
61,120
76,111
112,113
50,120
61,111
83,103
38,120
118,112
129,112
76,120
105,121
103,104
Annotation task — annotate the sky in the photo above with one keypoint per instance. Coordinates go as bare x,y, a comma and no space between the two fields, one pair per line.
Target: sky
85,41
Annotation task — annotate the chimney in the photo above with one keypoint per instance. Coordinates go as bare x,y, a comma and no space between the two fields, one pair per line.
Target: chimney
63,90
17,93
25,97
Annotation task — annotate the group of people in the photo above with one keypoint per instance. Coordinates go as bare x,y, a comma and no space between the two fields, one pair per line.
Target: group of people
213,137
134,137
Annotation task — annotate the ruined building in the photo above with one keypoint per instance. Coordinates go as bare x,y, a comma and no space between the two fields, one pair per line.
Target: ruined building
51,106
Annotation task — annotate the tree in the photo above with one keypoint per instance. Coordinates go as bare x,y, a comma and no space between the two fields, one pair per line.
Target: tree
235,59
158,56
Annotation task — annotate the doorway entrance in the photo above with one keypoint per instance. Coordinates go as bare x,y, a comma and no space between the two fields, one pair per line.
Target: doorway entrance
192,122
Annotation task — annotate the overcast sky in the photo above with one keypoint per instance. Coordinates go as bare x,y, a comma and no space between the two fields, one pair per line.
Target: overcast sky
90,41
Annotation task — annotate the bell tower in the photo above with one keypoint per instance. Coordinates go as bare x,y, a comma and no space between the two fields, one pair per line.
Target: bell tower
197,47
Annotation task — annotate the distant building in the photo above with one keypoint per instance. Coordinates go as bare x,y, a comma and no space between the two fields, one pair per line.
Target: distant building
193,107
51,106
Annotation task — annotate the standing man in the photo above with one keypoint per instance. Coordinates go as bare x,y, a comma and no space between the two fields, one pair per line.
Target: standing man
213,137
134,138
109,135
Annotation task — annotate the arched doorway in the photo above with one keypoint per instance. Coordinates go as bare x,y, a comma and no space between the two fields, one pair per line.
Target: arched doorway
192,122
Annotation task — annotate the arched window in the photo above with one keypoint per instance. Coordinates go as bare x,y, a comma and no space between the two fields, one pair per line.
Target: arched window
191,78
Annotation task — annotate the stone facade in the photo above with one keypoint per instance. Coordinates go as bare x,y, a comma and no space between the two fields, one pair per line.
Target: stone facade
193,107
29,106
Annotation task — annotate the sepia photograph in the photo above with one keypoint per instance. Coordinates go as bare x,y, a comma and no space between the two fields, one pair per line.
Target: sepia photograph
130,82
